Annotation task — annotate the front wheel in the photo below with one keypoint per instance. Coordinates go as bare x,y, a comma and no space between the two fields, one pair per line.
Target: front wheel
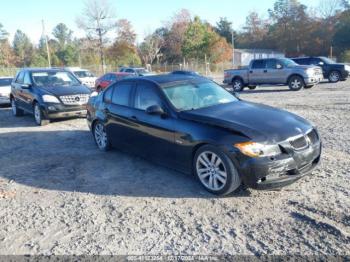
39,116
334,77
237,85
216,171
15,110
296,83
101,137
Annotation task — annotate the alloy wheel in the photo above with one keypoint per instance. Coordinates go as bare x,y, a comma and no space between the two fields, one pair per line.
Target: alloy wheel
100,136
37,114
296,84
237,85
211,171
334,77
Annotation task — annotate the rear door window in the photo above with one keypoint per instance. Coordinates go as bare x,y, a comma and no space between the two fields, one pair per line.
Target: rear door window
259,64
271,64
122,93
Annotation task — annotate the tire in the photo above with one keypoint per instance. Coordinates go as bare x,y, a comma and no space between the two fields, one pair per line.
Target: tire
15,110
237,85
334,77
39,116
215,171
100,136
252,87
296,83
309,86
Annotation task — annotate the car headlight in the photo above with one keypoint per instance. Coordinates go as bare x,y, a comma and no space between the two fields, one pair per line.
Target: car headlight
310,71
93,94
50,99
347,68
253,149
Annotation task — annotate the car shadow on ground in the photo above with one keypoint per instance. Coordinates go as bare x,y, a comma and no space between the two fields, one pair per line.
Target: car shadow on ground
70,161
8,120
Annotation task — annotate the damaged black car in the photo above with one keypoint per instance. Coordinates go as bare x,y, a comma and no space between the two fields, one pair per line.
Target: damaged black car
195,126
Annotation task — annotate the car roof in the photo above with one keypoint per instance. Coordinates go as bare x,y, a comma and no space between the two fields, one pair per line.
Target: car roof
40,69
166,79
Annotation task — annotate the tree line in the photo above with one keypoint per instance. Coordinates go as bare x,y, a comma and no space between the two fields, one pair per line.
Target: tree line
289,26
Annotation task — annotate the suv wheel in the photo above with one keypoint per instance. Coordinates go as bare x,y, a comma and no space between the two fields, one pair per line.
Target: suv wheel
334,77
296,83
215,171
237,85
101,137
15,110
38,116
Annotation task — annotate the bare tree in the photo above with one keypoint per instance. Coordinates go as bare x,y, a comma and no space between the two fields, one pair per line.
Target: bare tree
329,8
150,47
97,21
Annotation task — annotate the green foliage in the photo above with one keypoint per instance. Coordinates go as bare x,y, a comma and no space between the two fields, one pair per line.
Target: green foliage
123,53
62,34
224,29
342,35
345,56
23,48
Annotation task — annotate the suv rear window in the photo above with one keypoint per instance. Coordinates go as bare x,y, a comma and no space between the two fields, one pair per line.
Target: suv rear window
5,81
259,64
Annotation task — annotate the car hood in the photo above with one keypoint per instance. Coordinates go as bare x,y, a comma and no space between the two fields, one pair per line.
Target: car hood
64,90
259,122
304,67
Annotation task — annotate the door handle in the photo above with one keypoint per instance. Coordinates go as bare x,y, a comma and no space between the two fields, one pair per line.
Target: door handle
251,71
133,118
265,71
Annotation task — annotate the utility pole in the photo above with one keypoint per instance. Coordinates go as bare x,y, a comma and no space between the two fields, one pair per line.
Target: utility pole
233,47
331,52
47,44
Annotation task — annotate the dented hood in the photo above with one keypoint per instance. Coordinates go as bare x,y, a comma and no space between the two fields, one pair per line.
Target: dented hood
259,122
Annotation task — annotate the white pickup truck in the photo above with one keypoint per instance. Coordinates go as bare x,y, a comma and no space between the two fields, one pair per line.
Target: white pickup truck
273,71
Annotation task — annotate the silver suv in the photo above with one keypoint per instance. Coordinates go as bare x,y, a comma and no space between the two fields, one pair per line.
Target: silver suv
274,71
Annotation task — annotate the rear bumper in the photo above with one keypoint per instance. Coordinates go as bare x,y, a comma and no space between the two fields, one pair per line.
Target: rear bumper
269,173
4,99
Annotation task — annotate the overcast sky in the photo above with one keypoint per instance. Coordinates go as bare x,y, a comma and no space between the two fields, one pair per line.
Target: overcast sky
145,16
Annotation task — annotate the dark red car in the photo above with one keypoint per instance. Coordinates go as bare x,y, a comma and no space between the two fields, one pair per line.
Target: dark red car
109,78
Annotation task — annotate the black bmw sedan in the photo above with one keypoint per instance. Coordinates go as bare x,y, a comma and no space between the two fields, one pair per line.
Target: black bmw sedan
195,126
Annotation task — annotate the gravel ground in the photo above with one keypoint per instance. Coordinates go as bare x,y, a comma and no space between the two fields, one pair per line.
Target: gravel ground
60,195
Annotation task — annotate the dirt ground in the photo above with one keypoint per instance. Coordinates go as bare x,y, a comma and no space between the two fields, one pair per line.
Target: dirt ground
60,195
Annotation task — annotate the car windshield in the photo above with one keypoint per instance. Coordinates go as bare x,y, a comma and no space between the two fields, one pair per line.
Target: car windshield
82,74
195,95
287,62
142,71
5,81
327,60
54,78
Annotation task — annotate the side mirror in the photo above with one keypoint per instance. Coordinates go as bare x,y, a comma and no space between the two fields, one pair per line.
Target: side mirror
155,110
26,86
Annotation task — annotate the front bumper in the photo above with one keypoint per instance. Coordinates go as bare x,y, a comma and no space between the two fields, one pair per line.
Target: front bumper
54,111
313,80
269,173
